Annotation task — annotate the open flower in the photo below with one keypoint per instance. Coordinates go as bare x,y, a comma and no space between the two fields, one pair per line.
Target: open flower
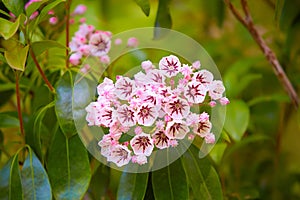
146,114
203,128
142,144
99,44
177,108
203,76
139,159
161,140
177,129
124,88
126,116
216,89
195,92
120,155
170,65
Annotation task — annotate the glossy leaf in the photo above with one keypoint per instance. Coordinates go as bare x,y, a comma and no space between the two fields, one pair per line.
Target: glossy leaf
34,6
100,182
63,105
47,8
145,6
287,12
16,57
35,182
237,119
10,180
163,19
132,186
41,46
8,120
8,28
68,167
170,182
14,6
202,176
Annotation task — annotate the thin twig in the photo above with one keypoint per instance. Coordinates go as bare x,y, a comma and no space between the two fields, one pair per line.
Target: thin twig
19,104
68,4
41,71
269,54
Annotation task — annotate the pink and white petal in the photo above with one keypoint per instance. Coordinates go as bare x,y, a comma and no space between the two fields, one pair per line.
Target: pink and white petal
125,88
216,89
146,114
139,159
210,138
142,144
204,77
125,116
203,128
195,92
161,140
169,65
177,130
120,155
177,108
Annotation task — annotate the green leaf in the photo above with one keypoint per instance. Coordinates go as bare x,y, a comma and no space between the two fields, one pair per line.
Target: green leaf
278,9
163,19
16,57
132,186
41,46
287,12
63,105
100,182
201,175
68,167
145,6
237,119
10,180
14,6
46,9
216,10
34,6
8,28
35,182
8,119
170,182
279,97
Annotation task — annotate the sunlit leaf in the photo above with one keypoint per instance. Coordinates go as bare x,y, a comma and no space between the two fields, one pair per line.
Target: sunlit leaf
145,6
63,105
8,120
163,19
10,180
170,182
68,167
8,28
202,176
35,182
15,6
16,57
237,119
132,186
34,6
40,46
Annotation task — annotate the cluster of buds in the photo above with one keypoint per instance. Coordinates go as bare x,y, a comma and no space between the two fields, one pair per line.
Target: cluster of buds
160,100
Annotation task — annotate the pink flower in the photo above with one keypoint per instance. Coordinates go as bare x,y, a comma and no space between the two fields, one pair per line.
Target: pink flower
120,155
160,124
177,129
80,9
34,15
212,104
105,59
192,119
170,65
132,42
139,159
146,114
173,143
196,64
106,89
124,88
203,128
82,20
75,58
142,144
99,44
156,76
204,77
138,130
186,70
195,92
118,41
51,12
177,108
161,140
224,101
203,117
216,89
126,116
210,138
53,20
147,65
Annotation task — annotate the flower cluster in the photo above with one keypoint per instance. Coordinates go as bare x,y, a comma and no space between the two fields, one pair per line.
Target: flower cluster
161,98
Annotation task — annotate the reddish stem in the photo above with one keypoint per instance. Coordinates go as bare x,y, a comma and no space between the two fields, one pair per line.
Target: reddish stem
19,104
41,71
68,3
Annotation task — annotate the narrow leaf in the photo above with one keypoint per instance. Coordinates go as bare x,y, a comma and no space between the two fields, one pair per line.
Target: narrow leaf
10,180
201,175
35,182
163,19
170,182
8,119
34,6
132,186
63,105
145,6
68,167
237,119
16,57
41,46
14,6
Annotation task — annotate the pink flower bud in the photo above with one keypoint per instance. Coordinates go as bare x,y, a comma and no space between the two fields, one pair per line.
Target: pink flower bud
118,41
51,12
80,9
34,15
53,20
212,104
196,64
224,101
105,59
132,42
72,21
82,20
147,65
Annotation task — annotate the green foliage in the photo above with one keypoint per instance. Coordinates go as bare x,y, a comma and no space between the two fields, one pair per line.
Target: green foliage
17,56
14,6
7,28
145,6
163,19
